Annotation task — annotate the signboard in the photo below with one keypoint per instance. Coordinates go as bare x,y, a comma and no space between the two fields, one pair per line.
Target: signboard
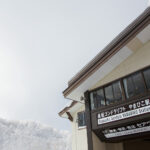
133,109
127,130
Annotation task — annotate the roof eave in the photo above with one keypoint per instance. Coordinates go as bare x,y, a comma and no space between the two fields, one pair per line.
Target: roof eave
127,34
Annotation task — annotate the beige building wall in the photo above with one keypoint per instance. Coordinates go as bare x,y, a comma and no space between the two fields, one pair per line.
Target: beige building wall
114,146
97,144
137,60
79,136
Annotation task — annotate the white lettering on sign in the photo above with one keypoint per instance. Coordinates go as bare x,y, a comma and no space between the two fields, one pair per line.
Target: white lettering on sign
124,115
128,132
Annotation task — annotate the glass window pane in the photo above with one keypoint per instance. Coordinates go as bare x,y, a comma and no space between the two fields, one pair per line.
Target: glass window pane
147,77
134,85
93,98
109,95
138,83
97,99
81,119
100,98
117,91
84,123
92,101
129,87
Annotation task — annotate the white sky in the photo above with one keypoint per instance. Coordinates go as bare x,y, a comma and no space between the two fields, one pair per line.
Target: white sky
43,43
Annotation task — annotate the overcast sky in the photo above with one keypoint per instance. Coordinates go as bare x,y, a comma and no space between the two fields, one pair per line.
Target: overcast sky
43,43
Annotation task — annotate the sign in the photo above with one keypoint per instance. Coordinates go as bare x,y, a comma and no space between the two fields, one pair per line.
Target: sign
123,112
127,130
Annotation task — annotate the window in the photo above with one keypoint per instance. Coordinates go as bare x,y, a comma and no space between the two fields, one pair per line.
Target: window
117,91
81,119
134,85
147,77
109,94
129,87
113,93
92,101
97,99
100,98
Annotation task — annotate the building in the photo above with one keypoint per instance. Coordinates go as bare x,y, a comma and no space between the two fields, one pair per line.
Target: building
110,107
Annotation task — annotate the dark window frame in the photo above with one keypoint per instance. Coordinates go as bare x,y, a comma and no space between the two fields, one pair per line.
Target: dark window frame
124,98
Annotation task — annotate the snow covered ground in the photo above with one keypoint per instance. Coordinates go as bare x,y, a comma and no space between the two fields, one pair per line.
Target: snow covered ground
28,135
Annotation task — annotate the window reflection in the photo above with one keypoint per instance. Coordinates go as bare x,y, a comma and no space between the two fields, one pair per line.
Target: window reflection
97,99
117,91
100,98
113,93
81,119
109,95
92,101
129,87
147,77
134,85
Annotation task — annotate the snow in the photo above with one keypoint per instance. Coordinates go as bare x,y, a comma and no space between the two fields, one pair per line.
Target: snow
29,135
